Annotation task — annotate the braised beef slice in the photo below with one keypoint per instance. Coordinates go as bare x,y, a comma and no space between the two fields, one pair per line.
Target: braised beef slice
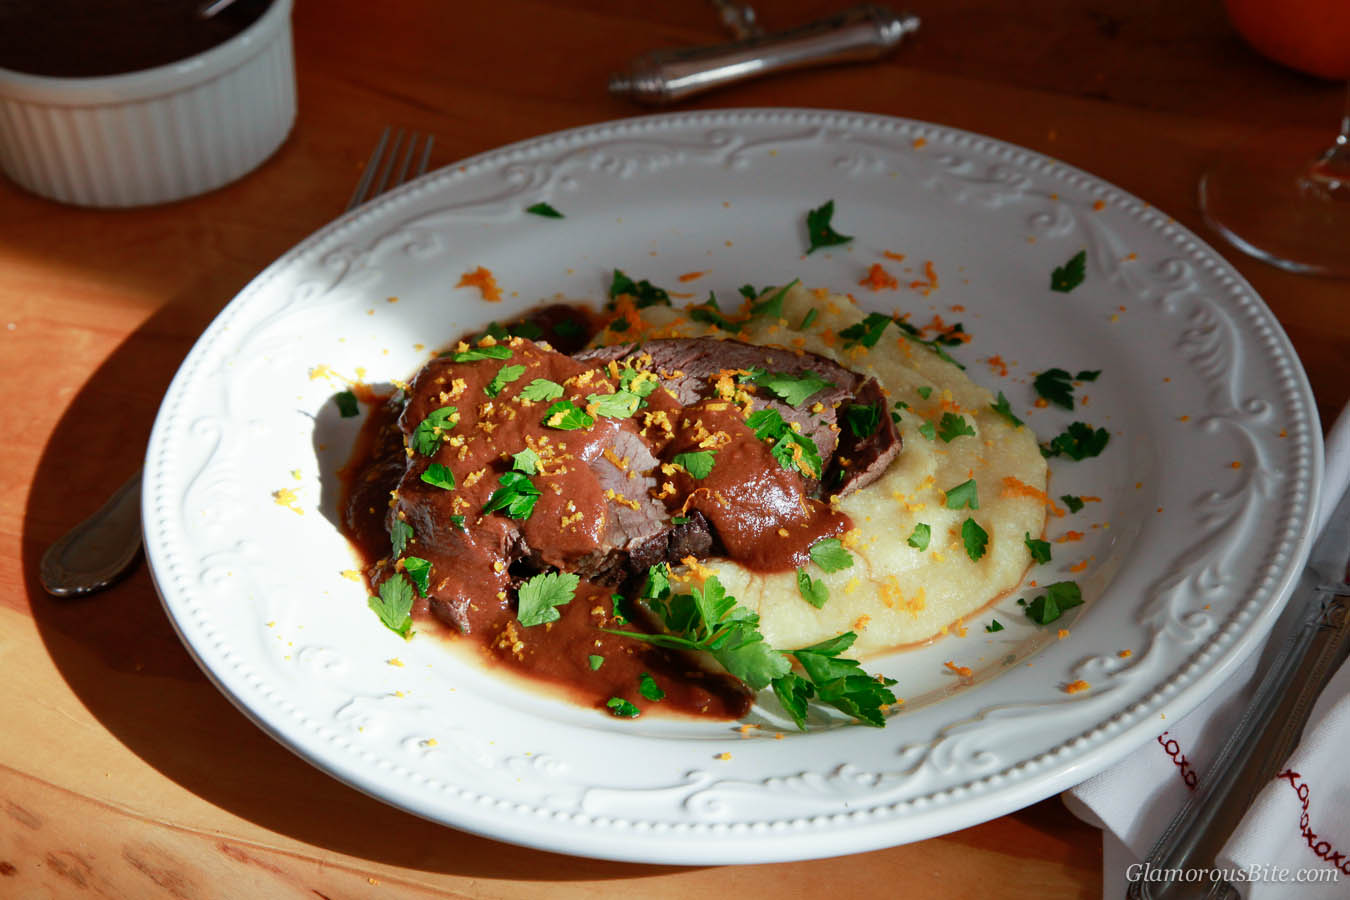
690,367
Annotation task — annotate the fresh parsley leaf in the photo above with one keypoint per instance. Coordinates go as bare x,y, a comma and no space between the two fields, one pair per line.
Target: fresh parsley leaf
812,590
595,661
867,332
399,535
1058,597
772,307
830,555
1004,409
496,351
797,452
920,536
964,494
862,419
994,625
748,291
698,464
457,521
433,429
538,598
820,231
543,209
794,390
516,496
924,391
952,427
643,292
1039,550
527,330
1079,441
637,381
1070,275
1073,503
1055,385
953,336
346,404
657,583
619,609
795,693
394,604
648,688
618,405
927,430
975,538
505,375
1088,375
793,451
618,325
808,319
621,708
710,312
567,416
541,390
438,475
526,461
842,683
419,570
679,520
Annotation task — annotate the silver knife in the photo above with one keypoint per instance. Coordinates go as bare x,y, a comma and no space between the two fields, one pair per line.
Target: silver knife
1270,728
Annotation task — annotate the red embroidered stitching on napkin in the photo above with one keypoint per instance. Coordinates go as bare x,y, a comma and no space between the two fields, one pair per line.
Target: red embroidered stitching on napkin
1321,849
1173,749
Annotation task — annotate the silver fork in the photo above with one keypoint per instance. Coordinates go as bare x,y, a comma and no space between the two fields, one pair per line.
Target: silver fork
377,170
101,549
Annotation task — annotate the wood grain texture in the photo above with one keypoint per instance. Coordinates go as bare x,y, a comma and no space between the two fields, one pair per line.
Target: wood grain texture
124,773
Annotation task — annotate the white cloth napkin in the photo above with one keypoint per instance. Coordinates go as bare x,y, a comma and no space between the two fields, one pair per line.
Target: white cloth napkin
1280,837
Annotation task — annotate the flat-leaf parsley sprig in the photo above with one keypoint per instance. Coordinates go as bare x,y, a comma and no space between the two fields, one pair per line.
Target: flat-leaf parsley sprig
709,620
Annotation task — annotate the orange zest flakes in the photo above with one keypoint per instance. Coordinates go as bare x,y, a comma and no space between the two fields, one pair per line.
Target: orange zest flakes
484,280
724,757
890,254
919,143
963,671
1062,633
626,310
1016,487
1235,464
877,279
1069,536
1041,403
1099,205
692,276
1074,687
998,366
1125,654
930,273
1078,566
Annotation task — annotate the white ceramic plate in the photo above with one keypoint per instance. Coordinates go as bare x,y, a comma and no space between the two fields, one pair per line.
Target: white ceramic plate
1206,489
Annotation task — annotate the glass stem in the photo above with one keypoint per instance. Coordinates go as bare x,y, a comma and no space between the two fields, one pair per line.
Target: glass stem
1329,174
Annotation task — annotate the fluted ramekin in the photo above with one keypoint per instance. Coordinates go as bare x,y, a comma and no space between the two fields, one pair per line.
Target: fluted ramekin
154,135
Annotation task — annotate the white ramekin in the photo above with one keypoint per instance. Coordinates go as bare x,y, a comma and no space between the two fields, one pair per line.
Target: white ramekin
155,135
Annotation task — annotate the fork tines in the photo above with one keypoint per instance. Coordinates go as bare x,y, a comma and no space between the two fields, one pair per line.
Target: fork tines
375,178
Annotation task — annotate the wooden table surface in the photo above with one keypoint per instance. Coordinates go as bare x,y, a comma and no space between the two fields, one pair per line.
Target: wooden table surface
123,773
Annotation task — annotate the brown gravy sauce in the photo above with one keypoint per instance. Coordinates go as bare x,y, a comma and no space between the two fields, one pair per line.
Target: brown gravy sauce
758,510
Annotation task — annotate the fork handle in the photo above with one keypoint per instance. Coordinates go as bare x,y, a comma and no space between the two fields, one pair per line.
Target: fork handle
1262,741
99,550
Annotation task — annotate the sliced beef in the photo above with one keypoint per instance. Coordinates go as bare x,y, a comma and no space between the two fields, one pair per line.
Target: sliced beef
690,368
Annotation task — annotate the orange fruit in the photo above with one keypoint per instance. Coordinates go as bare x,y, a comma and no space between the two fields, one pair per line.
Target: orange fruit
1312,36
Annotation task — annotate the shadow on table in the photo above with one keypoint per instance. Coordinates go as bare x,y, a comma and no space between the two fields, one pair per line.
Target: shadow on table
119,653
